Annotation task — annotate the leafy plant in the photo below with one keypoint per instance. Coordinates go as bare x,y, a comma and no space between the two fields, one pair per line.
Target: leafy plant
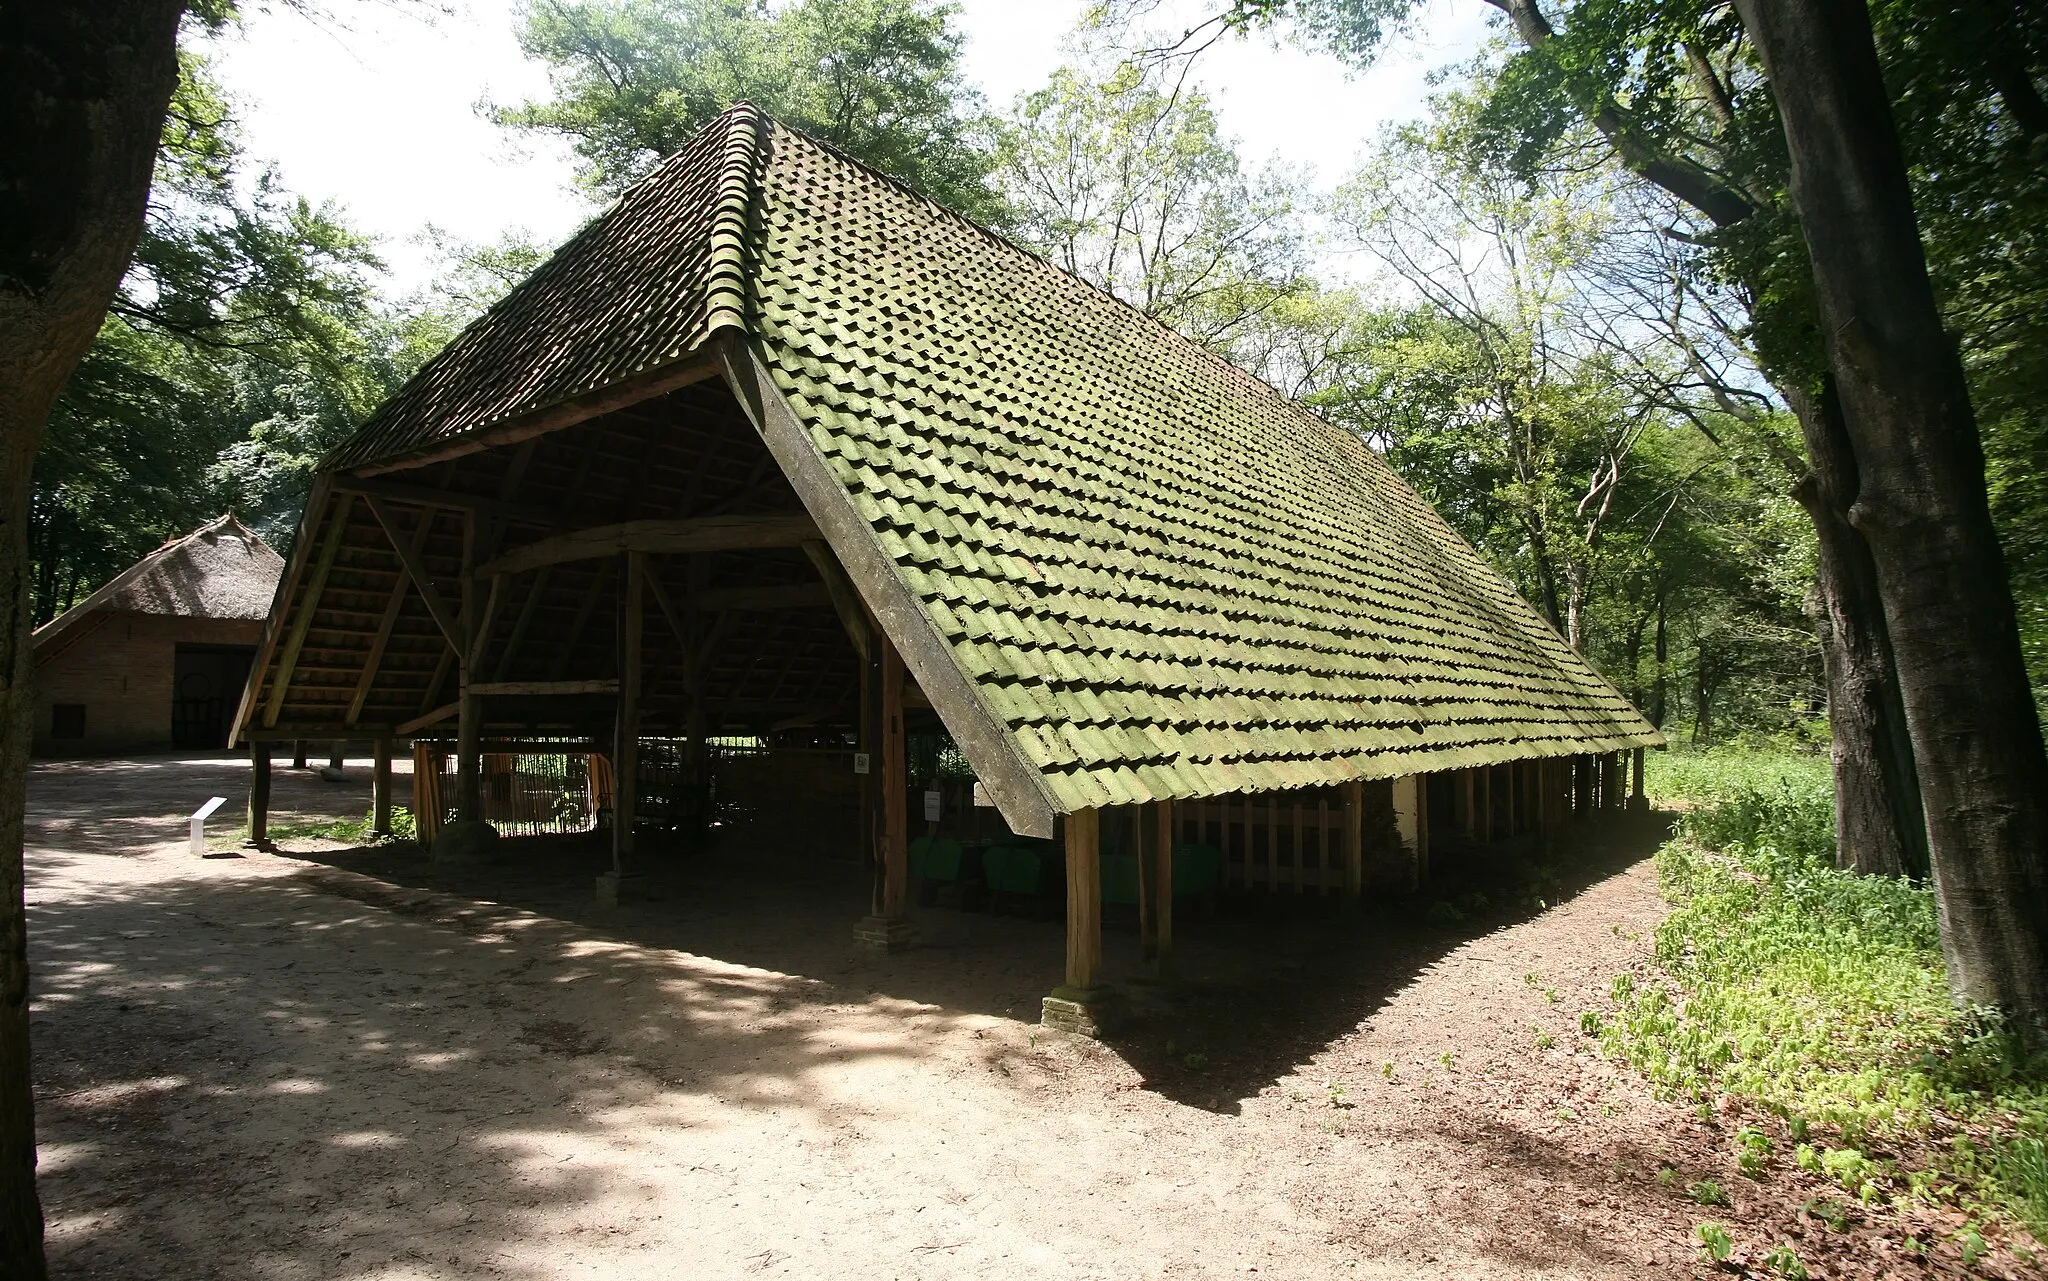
1715,1242
1707,1192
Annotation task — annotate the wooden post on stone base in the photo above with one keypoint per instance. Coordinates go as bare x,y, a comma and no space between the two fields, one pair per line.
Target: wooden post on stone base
1084,1003
887,928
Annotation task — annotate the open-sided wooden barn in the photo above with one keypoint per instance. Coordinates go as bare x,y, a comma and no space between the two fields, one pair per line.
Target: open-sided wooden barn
778,448
159,654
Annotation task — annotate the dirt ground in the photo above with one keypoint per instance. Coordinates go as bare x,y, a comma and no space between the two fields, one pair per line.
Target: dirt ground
345,1064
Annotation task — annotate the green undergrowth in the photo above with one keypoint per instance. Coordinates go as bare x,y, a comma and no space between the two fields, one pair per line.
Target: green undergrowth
355,831
1820,997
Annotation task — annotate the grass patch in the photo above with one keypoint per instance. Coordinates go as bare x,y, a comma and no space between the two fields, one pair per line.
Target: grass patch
348,831
1820,997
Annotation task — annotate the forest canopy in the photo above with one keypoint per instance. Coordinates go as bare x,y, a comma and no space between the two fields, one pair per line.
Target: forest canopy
1558,354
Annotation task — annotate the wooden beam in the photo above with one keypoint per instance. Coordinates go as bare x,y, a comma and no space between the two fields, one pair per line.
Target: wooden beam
534,593
259,793
469,764
668,610
394,604
691,368
416,569
425,496
302,622
420,722
530,688
626,756
668,537
853,616
1017,786
1084,899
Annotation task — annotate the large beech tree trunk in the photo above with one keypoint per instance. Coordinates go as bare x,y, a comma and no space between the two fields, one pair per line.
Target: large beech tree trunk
83,91
1880,828
1879,824
1921,503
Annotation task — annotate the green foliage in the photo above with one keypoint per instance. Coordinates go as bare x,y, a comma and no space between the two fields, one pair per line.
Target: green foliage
1128,183
1819,996
880,79
1715,1243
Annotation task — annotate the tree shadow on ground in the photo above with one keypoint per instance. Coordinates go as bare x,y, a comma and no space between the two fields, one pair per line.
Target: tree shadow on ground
1214,1034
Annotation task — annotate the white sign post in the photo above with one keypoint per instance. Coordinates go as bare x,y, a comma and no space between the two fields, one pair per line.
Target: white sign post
199,817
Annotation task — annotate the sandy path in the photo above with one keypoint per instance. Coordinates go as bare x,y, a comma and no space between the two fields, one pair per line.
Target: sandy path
269,1068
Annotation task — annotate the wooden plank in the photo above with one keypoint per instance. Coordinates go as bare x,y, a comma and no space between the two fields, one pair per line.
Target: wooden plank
1084,898
895,790
393,606
302,622
667,537
668,611
845,600
1012,782
694,367
427,496
416,569
485,689
424,719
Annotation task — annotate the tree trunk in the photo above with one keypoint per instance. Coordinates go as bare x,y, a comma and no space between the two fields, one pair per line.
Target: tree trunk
1880,828
83,91
1661,689
1921,504
1878,805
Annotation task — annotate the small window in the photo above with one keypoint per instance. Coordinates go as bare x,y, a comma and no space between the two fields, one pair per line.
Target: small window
67,720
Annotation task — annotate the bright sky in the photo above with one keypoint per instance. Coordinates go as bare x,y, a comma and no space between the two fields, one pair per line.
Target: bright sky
376,108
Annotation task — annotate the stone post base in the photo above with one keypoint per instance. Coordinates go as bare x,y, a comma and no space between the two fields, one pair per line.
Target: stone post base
1085,1011
614,888
1638,804
883,934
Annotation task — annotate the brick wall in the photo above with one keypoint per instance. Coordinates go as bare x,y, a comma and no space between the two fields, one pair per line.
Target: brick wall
122,672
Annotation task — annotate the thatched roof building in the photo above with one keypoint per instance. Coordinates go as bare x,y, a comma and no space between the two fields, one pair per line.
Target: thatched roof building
775,419
158,656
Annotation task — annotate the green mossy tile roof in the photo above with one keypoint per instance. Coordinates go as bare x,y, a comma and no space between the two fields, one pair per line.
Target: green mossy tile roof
1162,576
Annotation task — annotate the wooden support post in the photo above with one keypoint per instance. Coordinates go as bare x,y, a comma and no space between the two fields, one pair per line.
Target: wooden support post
1145,845
1639,800
895,790
1483,775
887,928
1083,1003
1352,831
1162,886
469,793
338,756
626,747
1617,790
1408,821
380,788
259,794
